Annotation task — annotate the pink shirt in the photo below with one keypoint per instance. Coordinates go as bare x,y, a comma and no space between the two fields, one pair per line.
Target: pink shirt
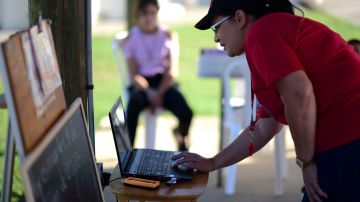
148,50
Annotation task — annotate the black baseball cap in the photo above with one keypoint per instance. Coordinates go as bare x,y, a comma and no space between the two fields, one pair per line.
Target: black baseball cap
226,7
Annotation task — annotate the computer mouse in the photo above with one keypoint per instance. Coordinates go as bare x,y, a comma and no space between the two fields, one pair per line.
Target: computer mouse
183,167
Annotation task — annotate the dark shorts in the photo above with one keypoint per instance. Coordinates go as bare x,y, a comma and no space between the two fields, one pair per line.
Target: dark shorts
339,173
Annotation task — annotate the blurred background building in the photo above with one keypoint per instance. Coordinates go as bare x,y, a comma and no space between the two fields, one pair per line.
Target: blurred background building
105,10
8,9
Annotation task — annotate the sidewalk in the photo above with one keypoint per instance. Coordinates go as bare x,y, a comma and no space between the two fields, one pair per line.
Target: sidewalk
347,9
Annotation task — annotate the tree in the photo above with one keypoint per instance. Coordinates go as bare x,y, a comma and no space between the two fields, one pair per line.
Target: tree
69,31
131,9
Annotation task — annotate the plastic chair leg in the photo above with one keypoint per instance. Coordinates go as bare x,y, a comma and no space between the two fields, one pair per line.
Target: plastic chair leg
284,166
150,130
280,163
231,171
230,183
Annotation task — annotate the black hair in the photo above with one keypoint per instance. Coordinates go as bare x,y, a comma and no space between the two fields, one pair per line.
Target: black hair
142,4
259,8
354,42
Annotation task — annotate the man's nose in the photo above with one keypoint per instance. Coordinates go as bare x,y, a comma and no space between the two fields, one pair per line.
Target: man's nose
216,38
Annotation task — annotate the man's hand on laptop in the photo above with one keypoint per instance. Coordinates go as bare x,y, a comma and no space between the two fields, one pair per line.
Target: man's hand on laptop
194,161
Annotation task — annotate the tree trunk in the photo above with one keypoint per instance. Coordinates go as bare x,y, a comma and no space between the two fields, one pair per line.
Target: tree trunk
131,9
69,31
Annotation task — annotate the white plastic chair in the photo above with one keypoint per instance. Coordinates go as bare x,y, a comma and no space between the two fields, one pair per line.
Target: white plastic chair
150,118
233,127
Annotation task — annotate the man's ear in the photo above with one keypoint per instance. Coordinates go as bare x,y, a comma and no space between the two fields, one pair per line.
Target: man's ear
241,18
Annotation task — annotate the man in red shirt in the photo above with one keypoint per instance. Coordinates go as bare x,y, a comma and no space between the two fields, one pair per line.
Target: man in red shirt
304,75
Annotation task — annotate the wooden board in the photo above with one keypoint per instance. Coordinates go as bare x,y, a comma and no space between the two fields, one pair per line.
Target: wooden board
29,128
62,167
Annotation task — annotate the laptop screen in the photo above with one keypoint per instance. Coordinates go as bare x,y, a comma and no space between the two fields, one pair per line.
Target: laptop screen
120,133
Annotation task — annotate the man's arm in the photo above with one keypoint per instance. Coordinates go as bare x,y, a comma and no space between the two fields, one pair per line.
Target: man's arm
296,93
136,79
265,129
168,79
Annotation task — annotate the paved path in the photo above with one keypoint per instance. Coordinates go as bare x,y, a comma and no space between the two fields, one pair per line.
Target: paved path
347,9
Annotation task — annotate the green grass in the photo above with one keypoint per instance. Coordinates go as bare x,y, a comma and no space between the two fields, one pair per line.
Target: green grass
346,29
202,94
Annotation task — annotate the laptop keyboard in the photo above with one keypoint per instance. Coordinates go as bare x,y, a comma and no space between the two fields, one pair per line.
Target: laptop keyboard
154,163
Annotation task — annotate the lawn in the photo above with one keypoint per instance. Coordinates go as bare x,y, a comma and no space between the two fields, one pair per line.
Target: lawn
202,94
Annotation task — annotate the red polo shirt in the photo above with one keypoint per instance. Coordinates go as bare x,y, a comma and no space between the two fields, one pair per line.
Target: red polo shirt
279,44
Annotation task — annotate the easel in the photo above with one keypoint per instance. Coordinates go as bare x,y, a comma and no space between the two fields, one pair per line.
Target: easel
13,66
8,168
23,132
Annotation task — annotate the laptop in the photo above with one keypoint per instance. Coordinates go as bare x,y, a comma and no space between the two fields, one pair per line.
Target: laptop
143,163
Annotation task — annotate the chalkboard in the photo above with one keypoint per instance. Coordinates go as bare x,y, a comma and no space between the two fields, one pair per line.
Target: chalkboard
62,167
